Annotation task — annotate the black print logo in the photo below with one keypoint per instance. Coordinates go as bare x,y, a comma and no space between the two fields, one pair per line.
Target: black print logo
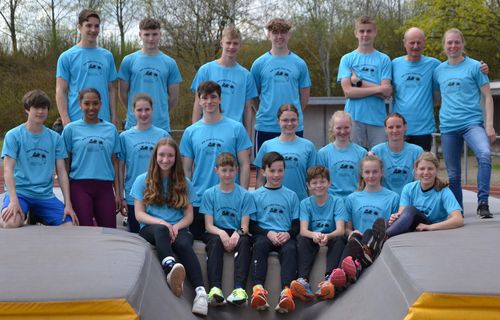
95,141
400,171
38,155
276,210
227,213
291,158
370,211
321,225
151,73
146,148
214,144
346,166
453,84
413,78
367,69
95,66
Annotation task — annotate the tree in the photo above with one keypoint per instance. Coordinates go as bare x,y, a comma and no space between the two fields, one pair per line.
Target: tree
8,11
124,12
55,11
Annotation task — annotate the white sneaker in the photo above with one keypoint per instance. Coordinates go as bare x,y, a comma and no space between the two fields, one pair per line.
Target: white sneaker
175,279
200,304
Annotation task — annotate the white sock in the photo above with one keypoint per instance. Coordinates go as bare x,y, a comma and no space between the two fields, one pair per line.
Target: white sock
200,290
168,261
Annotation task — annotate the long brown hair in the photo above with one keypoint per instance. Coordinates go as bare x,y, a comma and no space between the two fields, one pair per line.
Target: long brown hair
177,194
429,156
368,157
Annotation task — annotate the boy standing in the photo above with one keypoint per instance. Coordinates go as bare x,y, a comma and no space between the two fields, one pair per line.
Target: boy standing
322,223
30,152
274,227
227,208
150,71
281,77
86,66
365,97
238,85
204,140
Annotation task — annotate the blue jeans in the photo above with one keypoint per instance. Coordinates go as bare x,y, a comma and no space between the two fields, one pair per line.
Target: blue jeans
476,139
408,221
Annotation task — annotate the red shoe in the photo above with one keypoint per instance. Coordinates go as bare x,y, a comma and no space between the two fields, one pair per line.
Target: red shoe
338,278
352,268
259,298
286,304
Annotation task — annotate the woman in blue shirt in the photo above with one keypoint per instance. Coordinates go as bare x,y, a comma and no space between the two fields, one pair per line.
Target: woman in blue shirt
461,118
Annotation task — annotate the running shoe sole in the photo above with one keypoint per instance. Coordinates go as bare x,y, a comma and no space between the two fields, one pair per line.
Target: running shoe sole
175,279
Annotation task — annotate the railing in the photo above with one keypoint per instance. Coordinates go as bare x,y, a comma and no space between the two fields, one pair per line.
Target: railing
435,150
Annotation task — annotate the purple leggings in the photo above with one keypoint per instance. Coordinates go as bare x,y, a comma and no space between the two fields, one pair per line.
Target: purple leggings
94,199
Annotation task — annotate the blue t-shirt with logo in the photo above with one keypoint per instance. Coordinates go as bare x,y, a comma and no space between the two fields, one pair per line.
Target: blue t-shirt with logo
398,166
35,155
227,208
164,212
413,88
299,154
237,84
136,147
373,67
436,205
203,142
91,146
460,87
276,208
323,218
87,68
365,207
279,80
151,74
343,164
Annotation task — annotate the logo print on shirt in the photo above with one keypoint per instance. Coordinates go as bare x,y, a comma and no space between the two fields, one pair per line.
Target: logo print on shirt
371,211
412,80
144,150
37,157
95,144
399,171
367,70
322,225
94,68
276,210
150,75
212,146
281,75
453,85
227,86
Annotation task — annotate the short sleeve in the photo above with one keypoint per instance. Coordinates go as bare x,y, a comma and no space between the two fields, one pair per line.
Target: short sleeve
248,205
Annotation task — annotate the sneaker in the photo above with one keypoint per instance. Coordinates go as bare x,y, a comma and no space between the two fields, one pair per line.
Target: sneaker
326,290
483,210
301,289
200,304
376,241
338,279
286,304
259,298
352,268
238,297
175,279
216,297
358,252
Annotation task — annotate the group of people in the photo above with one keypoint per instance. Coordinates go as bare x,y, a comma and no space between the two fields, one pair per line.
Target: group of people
375,180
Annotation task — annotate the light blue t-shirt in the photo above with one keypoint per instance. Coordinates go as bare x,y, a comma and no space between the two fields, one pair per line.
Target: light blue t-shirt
279,80
398,166
343,164
237,84
151,74
164,212
413,88
299,154
136,147
365,207
373,67
460,87
35,156
227,208
87,68
91,147
276,208
435,205
203,142
323,218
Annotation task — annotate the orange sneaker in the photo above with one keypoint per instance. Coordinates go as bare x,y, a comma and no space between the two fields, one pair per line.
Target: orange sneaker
259,298
326,290
301,289
286,304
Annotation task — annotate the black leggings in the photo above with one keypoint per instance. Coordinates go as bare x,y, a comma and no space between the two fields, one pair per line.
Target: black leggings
159,236
307,251
287,256
408,221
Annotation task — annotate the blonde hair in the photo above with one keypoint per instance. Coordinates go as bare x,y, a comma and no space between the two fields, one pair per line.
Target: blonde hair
367,158
231,32
430,157
331,123
177,194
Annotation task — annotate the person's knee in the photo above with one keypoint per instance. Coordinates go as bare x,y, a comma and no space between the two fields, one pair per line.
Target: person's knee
161,230
289,248
215,242
244,241
483,155
11,223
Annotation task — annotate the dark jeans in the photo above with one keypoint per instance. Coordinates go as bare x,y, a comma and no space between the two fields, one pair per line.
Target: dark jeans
159,236
307,251
132,223
287,256
408,221
425,141
197,228
215,258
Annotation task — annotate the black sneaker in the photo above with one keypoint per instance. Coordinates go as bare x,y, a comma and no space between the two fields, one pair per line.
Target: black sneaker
357,251
483,211
377,239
